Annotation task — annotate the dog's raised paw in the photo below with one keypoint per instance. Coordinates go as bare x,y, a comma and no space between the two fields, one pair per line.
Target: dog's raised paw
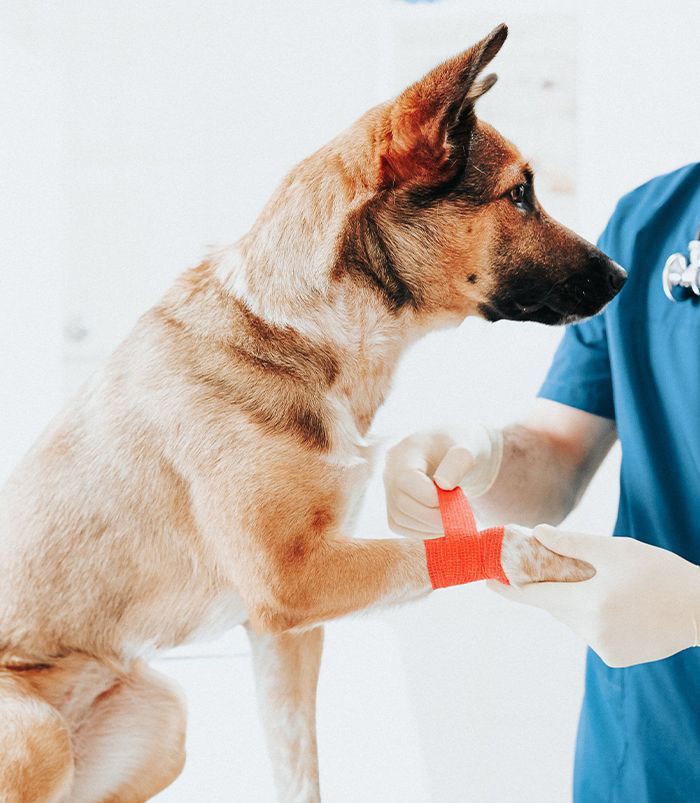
526,560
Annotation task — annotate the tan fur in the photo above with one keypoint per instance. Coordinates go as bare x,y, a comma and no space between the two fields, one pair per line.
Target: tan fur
207,475
287,673
37,758
83,732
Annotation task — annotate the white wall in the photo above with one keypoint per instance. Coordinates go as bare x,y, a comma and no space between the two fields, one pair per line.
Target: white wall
638,114
31,213
139,133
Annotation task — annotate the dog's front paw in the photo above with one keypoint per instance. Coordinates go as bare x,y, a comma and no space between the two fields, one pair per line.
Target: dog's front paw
526,560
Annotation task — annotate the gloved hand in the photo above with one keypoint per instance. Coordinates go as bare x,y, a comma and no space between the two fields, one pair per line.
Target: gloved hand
643,603
470,458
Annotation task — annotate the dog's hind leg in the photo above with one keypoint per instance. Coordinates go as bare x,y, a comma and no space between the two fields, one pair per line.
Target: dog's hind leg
131,745
36,759
286,673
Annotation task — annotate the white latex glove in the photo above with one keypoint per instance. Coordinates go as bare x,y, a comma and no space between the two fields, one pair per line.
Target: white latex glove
470,458
643,603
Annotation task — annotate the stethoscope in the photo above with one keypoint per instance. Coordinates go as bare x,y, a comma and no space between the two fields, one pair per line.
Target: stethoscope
678,272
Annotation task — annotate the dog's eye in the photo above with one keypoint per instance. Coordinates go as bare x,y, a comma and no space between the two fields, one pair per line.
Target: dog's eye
518,194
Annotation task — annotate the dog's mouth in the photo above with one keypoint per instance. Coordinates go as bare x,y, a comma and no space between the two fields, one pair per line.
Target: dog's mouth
566,301
516,311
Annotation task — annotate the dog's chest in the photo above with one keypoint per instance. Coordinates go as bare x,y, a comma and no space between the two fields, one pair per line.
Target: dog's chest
189,618
356,476
219,615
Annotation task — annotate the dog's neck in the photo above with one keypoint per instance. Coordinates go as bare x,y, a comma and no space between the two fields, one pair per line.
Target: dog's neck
349,322
283,271
289,272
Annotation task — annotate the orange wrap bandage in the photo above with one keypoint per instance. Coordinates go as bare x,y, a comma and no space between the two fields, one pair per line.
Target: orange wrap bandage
464,554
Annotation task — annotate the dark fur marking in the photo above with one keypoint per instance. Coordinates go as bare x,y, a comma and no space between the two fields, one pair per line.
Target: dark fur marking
321,519
471,278
27,667
276,409
427,195
276,350
281,349
273,375
309,424
296,551
365,255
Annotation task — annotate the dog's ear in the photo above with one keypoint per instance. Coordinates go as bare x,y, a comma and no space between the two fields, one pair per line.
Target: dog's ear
428,125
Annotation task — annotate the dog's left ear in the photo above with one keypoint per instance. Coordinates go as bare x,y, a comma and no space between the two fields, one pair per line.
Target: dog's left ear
427,126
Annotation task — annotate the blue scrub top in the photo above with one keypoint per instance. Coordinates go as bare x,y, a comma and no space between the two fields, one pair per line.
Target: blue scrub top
638,363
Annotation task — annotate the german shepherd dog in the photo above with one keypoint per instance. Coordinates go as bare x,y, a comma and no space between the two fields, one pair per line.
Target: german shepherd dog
205,477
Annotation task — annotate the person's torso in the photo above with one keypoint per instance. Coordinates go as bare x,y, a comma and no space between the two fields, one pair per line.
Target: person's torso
639,735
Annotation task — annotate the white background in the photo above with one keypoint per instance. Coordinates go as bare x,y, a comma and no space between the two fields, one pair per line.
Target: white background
135,134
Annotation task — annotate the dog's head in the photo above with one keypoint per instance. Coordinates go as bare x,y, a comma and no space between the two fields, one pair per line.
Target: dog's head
453,227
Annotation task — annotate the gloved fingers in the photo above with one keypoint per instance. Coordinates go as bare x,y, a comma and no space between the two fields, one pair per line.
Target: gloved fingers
410,453
410,531
417,485
551,597
573,545
411,496
453,467
409,523
499,588
405,510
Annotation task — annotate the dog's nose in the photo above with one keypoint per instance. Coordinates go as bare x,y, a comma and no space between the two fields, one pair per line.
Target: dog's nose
617,277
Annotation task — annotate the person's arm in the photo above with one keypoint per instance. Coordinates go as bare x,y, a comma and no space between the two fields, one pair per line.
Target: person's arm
548,462
529,473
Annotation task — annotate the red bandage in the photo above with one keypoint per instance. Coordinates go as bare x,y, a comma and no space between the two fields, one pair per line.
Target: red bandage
464,554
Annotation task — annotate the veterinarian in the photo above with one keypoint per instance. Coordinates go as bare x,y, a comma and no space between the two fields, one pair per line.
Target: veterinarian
633,373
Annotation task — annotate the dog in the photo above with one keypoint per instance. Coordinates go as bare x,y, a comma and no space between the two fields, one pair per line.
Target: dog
207,476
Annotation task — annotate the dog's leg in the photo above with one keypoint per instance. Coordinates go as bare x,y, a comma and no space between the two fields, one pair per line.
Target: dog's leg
311,582
335,576
132,743
286,672
36,760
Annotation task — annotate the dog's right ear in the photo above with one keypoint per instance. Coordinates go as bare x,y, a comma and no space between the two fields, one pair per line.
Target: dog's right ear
427,127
